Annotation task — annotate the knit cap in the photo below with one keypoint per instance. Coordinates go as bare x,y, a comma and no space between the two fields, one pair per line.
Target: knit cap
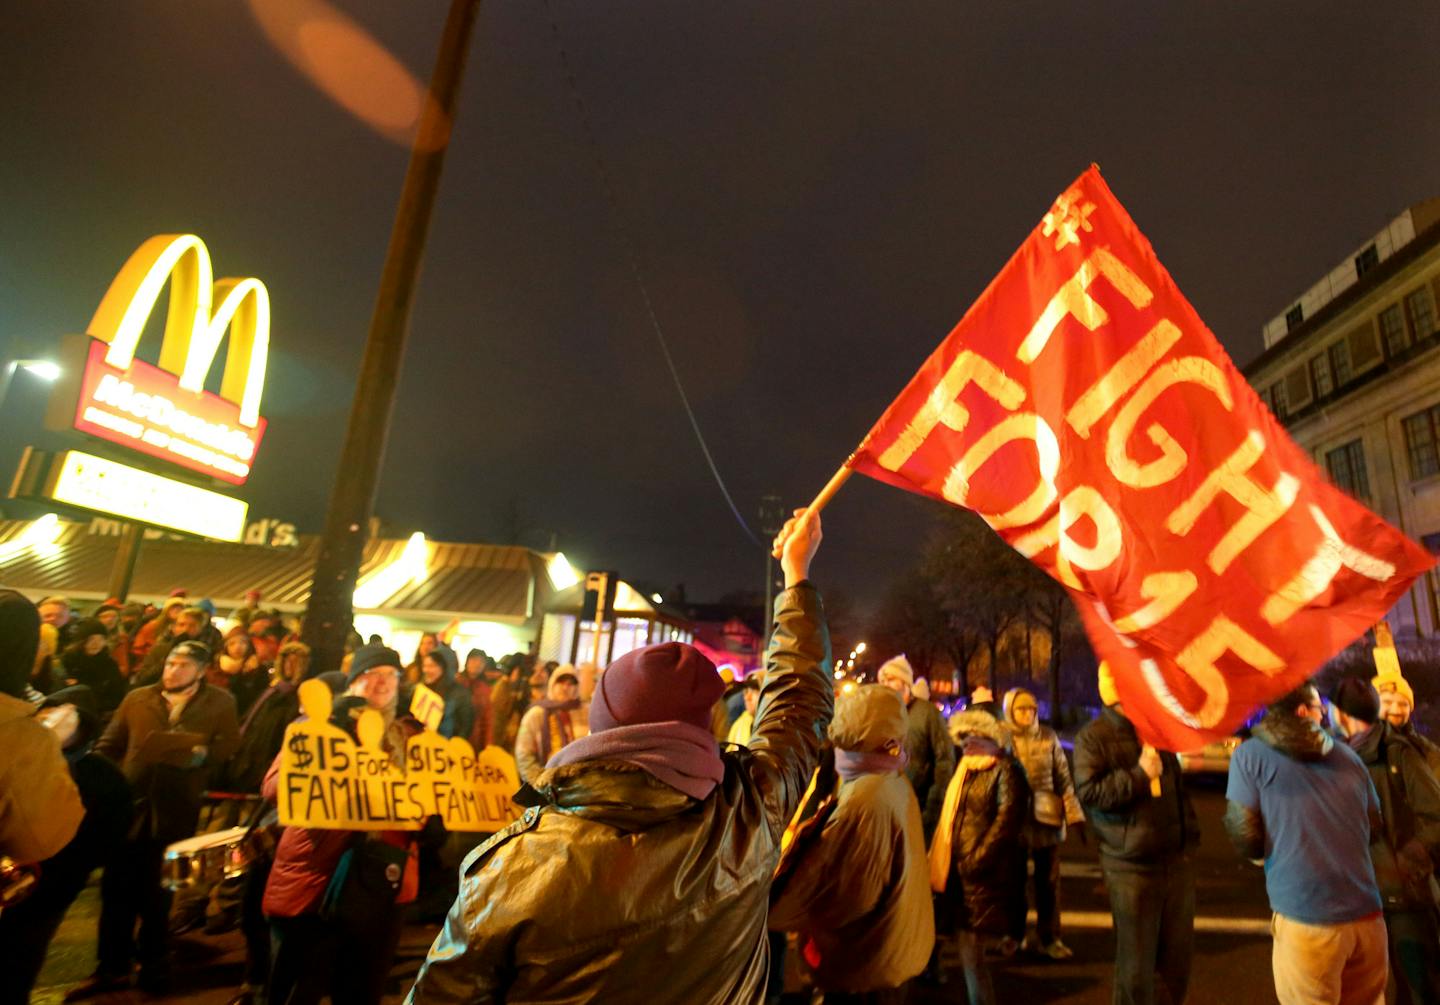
898,668
669,682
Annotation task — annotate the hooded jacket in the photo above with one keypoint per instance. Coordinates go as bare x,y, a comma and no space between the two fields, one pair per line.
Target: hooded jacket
459,716
529,741
1038,750
1133,828
621,889
40,808
859,893
1405,849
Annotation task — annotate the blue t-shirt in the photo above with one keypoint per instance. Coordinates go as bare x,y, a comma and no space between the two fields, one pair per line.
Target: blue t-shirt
1317,830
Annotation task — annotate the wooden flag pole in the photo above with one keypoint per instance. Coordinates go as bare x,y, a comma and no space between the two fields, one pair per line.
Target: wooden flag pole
832,486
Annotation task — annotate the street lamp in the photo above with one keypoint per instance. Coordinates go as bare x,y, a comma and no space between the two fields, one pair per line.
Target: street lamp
41,368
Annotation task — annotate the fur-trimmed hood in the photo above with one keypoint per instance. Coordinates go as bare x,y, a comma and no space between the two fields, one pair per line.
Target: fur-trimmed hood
1294,736
970,722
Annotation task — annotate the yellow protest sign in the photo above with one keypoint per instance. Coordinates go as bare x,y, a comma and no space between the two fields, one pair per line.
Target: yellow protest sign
329,781
427,706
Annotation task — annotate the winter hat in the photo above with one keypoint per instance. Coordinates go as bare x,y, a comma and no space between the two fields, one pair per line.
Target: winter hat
921,689
1108,694
370,657
1357,699
869,720
197,651
207,605
179,593
899,668
19,642
669,682
561,672
1397,684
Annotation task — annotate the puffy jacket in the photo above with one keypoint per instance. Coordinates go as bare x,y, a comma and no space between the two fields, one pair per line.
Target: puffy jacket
261,734
40,808
1405,849
1132,827
621,889
1046,770
988,821
932,759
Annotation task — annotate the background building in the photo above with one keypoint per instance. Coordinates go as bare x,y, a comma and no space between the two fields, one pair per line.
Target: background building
1351,369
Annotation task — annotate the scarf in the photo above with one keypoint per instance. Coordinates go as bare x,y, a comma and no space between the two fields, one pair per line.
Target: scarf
851,764
945,832
683,756
556,726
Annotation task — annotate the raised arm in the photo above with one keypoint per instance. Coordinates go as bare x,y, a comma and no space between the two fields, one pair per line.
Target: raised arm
798,698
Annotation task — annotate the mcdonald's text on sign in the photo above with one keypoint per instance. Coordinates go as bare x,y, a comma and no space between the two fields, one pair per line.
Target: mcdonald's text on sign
164,410
1085,412
144,408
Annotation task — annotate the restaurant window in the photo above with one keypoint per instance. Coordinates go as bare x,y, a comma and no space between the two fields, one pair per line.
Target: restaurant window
1392,329
1366,260
1421,435
1340,363
1320,375
1346,465
1421,311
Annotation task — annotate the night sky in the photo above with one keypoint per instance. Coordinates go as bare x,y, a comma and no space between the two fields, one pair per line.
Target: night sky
816,193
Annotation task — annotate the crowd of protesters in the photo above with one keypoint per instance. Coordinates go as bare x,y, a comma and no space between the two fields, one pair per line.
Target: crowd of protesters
681,829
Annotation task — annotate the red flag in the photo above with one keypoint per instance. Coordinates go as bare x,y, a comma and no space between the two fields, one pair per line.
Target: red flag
1083,409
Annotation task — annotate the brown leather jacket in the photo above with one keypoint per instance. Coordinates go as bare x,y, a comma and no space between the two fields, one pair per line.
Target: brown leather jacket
621,889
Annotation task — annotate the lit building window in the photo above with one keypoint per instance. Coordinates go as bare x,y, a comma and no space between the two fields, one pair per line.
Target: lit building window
1392,328
1346,465
1320,375
1421,436
1421,309
1340,368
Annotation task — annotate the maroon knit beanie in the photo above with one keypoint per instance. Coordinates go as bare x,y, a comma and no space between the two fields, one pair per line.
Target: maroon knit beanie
671,682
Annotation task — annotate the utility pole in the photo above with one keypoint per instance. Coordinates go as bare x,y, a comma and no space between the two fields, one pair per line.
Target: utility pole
352,500
772,518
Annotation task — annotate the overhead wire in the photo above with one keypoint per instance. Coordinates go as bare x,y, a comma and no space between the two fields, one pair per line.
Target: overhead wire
633,258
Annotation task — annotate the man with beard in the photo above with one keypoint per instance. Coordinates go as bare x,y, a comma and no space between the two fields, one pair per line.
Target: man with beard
167,737
1397,705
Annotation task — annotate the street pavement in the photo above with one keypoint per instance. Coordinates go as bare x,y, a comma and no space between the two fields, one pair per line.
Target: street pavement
1232,944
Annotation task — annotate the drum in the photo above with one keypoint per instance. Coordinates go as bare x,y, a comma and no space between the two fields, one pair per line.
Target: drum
206,859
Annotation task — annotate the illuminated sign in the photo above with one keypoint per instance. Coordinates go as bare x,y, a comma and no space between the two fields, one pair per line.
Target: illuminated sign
141,408
164,410
104,486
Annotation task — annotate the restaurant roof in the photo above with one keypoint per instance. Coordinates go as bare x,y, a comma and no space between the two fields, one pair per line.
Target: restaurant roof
477,581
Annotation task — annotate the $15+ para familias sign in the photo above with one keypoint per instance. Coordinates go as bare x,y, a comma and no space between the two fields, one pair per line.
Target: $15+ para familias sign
329,781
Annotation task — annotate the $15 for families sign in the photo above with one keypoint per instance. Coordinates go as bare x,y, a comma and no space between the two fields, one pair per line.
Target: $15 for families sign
327,780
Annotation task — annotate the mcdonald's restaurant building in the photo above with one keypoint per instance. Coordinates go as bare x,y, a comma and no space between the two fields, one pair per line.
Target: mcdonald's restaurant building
489,597
144,464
